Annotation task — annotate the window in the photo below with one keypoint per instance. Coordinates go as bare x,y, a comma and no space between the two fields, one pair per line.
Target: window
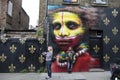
50,0
19,21
70,1
99,2
9,9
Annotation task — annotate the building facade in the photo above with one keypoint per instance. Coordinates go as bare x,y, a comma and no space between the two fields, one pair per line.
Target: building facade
13,16
103,39
43,5
25,53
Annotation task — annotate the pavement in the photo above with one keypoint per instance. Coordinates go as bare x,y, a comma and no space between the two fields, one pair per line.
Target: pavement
103,75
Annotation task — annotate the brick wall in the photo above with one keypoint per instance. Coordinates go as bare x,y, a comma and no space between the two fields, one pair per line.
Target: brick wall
42,10
3,13
0,6
0,10
24,20
19,19
114,3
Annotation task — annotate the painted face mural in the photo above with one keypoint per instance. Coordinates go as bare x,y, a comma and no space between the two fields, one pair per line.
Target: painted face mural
68,29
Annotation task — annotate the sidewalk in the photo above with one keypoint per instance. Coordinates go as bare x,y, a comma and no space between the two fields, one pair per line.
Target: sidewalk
57,76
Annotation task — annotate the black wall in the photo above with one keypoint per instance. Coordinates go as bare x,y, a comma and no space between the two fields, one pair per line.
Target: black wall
110,41
31,50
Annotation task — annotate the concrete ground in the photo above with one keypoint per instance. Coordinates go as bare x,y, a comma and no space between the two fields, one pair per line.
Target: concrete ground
105,75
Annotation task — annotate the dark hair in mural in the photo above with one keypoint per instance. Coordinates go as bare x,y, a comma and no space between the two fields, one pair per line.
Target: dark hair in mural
89,16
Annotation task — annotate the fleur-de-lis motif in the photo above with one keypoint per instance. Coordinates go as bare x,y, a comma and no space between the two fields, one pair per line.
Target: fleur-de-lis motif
115,12
41,40
3,58
106,39
11,68
106,58
96,48
4,40
31,68
106,21
13,48
115,49
22,58
32,49
41,59
22,40
115,31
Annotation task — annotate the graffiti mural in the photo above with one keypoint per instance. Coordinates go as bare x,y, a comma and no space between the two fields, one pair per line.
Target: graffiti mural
97,41
68,28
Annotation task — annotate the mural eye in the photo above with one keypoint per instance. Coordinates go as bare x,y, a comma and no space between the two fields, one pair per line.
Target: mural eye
56,26
72,25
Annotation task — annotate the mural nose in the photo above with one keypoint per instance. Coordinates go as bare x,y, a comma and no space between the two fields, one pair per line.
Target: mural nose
63,33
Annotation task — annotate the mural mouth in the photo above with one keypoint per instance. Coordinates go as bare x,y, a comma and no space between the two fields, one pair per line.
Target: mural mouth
66,38
65,42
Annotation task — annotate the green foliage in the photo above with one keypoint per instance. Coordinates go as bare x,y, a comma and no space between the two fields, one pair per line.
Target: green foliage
24,71
41,70
40,32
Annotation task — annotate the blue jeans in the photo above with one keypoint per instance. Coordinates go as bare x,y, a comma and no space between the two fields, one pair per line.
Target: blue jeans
69,65
48,67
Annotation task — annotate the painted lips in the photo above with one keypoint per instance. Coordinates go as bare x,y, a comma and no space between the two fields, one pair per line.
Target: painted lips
65,42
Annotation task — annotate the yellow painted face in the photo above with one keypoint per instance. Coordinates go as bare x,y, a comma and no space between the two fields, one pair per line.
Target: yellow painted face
67,24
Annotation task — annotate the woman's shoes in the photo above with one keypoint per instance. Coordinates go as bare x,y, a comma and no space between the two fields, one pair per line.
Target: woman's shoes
69,71
48,78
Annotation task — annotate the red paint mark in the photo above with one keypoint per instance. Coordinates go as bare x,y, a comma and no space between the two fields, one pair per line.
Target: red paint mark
62,20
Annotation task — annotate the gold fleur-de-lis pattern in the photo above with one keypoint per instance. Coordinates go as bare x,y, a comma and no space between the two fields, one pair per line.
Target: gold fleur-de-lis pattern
106,40
31,68
110,34
114,31
32,49
106,58
22,40
3,58
96,48
12,68
22,58
106,21
115,12
115,49
13,48
41,40
41,59
4,40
